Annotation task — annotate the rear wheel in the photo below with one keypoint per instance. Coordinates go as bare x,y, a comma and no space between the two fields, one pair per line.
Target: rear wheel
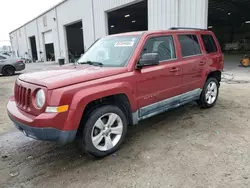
209,94
8,71
104,131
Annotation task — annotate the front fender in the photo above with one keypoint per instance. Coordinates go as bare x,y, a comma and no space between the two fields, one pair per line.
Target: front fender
83,97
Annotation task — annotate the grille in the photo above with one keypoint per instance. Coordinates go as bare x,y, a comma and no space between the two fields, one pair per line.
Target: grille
22,96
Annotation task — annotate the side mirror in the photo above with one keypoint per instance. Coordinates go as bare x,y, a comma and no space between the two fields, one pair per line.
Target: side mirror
148,59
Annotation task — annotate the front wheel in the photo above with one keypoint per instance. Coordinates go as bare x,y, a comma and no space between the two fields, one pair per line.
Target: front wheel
209,94
104,131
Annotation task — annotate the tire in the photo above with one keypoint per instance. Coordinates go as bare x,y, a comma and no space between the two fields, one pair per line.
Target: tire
208,97
8,71
100,130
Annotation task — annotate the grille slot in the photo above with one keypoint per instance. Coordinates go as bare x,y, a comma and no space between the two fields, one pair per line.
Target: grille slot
29,98
22,96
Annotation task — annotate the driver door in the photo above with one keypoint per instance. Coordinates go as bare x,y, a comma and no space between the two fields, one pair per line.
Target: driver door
158,87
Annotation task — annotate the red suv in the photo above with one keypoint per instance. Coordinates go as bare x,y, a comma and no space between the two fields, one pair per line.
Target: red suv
119,81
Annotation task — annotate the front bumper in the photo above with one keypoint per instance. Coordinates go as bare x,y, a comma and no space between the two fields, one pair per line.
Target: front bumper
48,134
38,132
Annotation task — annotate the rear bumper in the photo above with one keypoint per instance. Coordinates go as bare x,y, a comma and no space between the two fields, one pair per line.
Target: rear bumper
27,124
20,67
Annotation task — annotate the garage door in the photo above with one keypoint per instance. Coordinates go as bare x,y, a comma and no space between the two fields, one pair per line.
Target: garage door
130,18
48,37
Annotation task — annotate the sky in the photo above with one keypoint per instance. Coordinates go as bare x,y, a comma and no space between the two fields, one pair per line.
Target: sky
14,13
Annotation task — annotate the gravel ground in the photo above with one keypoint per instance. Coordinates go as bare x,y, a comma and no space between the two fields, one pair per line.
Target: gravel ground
187,147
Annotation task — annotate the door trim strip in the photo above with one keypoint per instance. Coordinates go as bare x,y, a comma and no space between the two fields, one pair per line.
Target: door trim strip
165,105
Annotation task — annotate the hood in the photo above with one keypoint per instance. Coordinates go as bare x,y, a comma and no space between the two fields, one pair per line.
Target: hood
69,75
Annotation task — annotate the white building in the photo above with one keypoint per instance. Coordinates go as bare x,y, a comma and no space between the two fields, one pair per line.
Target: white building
73,25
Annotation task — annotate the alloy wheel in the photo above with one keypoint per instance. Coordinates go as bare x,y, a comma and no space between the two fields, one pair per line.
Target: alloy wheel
211,92
107,131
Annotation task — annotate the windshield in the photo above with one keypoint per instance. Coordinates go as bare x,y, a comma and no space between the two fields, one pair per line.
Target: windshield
111,51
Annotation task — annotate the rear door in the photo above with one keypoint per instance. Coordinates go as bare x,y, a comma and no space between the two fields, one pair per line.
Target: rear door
214,57
210,47
193,63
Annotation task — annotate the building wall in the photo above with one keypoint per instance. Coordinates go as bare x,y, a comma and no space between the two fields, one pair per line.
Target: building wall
193,13
45,23
31,30
21,41
14,42
35,28
162,14
72,11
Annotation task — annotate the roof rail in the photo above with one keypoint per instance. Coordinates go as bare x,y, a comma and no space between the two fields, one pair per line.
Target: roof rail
176,28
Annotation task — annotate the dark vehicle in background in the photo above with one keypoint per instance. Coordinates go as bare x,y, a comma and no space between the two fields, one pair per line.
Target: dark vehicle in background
9,65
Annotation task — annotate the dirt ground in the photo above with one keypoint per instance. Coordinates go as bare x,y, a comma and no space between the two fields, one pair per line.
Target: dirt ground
185,148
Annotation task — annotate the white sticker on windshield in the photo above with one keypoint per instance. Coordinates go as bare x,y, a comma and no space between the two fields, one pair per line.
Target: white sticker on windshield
124,43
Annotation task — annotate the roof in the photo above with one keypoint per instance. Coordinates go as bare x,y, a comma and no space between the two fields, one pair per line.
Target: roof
128,33
40,15
159,31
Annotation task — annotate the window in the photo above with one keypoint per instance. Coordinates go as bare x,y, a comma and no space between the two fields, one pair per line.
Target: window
209,43
44,21
164,46
189,45
1,58
111,51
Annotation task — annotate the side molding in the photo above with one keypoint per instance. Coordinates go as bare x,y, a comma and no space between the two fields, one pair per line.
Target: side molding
165,105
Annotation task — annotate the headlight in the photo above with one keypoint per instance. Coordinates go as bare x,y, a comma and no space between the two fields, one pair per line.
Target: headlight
40,98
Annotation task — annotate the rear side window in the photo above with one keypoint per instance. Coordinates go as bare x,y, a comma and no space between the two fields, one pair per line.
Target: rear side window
164,46
189,45
209,43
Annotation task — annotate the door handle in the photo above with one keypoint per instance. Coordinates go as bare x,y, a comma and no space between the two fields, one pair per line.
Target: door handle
174,69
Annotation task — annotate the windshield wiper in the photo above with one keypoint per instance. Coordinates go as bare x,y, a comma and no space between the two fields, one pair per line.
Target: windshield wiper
94,63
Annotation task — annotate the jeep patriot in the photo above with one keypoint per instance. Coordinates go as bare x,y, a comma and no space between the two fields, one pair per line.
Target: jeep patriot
120,80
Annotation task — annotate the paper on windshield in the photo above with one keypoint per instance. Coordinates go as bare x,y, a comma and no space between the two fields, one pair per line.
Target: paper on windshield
124,43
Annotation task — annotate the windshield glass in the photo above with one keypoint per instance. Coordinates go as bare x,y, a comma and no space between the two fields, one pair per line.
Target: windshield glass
111,51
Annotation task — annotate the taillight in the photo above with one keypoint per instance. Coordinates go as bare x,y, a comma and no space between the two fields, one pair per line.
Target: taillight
19,61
